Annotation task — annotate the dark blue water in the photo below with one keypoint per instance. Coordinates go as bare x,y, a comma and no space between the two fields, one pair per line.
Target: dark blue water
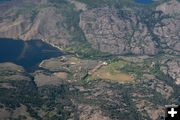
144,1
27,54
1,1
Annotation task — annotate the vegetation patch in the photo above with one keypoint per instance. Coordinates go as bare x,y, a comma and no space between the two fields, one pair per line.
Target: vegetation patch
113,72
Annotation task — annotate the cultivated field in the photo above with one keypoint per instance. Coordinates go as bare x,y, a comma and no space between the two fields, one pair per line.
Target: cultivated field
112,72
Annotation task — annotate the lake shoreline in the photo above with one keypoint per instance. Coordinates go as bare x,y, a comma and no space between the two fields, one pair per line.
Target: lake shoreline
28,54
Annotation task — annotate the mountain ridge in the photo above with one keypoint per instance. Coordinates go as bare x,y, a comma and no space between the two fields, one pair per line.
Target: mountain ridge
52,23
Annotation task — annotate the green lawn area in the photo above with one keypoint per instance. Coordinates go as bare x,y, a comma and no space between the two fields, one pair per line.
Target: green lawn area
113,72
116,66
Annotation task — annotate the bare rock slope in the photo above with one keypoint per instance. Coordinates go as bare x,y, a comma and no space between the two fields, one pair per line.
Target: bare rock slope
118,33
117,30
33,20
132,30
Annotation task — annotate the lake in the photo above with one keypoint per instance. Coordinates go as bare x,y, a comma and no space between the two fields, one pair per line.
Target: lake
1,1
144,1
26,53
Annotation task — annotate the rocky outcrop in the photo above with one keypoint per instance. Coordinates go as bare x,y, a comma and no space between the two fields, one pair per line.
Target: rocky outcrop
117,31
171,7
169,29
78,5
174,70
171,67
133,31
123,30
91,113
38,21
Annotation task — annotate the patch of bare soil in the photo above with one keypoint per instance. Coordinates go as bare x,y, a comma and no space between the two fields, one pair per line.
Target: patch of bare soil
6,85
42,79
150,109
118,77
21,111
88,112
4,114
62,75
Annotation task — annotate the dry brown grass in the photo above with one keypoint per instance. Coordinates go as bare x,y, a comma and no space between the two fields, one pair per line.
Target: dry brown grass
115,76
112,72
62,75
